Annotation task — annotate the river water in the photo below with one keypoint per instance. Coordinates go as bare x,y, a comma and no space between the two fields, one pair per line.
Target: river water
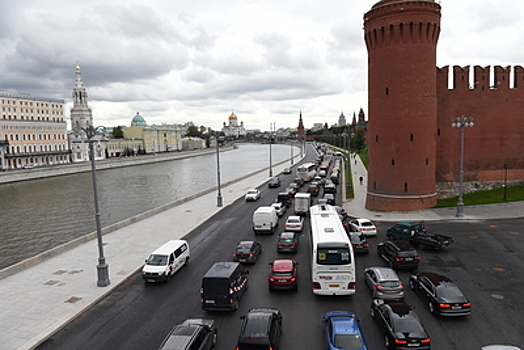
41,214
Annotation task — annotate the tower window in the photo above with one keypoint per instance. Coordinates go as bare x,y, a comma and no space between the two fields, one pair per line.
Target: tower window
392,162
374,185
387,91
438,132
427,161
411,137
406,187
376,138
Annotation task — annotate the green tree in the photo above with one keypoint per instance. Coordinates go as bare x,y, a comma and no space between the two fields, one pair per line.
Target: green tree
118,132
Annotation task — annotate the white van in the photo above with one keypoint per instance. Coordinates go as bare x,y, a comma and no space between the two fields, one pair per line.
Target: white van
265,219
165,261
302,203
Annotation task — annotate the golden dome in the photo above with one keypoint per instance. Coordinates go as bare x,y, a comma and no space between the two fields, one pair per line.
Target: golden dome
232,116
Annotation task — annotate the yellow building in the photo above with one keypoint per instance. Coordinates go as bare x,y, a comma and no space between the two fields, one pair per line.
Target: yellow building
155,138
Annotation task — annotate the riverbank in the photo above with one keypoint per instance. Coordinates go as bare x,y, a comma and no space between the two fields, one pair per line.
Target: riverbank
74,168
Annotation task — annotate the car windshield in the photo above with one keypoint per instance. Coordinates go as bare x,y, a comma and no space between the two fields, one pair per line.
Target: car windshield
348,341
449,292
282,273
333,256
157,260
252,192
390,284
408,325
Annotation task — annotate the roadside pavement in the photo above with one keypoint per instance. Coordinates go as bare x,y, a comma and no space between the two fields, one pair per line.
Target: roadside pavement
357,206
40,300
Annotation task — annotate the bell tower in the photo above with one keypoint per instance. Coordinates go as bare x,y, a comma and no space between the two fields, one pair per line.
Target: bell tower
401,38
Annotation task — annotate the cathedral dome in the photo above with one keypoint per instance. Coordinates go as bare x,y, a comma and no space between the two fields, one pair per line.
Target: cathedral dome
232,116
138,120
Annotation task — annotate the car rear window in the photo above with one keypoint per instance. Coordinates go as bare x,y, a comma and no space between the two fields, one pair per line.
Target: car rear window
282,273
367,224
407,253
390,284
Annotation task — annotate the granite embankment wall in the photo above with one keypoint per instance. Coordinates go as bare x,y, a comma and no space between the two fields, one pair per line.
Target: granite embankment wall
73,168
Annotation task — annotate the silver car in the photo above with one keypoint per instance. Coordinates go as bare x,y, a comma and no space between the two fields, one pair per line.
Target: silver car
384,283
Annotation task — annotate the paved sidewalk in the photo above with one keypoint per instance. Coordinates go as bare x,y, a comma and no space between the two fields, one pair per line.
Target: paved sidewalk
40,300
356,206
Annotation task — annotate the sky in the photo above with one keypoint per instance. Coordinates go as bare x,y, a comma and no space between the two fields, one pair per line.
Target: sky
200,60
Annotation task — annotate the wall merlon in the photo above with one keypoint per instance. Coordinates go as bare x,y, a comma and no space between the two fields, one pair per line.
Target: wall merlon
502,77
519,77
481,78
460,78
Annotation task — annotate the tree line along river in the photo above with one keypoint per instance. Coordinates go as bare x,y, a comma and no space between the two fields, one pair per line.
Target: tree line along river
41,214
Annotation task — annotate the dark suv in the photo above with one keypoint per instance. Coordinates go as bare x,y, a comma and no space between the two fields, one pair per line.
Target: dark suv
194,333
398,254
261,329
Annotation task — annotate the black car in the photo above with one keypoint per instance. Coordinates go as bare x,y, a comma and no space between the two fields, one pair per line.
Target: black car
261,329
274,182
287,242
359,242
286,198
313,189
442,296
193,333
399,254
247,251
291,190
400,325
330,188
299,181
330,198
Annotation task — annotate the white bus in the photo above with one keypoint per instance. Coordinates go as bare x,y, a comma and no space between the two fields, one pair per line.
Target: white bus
332,260
307,171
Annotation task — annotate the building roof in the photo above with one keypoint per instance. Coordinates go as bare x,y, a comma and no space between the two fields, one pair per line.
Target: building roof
138,120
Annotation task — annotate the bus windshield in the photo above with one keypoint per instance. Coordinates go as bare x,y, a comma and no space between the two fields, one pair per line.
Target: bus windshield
333,256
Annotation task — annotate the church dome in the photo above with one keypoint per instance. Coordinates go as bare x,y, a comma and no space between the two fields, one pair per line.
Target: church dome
232,116
138,120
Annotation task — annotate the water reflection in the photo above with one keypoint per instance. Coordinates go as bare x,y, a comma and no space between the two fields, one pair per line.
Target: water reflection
41,214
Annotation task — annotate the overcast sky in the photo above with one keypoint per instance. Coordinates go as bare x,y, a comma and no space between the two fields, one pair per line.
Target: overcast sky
199,60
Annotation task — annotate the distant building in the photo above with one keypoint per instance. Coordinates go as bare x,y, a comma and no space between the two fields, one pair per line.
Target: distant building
233,129
82,118
342,120
193,143
300,129
33,131
155,138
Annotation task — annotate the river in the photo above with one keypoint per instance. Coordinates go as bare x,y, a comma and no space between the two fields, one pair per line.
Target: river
41,214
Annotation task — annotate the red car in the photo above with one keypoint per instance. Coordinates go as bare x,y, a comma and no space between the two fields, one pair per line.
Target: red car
283,274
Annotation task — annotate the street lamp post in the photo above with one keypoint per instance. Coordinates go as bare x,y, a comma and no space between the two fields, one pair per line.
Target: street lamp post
461,122
102,267
505,180
291,144
219,195
270,152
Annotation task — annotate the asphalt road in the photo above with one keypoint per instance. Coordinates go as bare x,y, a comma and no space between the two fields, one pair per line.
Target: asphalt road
485,260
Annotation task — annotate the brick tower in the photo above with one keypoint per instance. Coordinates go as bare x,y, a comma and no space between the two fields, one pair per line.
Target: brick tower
401,37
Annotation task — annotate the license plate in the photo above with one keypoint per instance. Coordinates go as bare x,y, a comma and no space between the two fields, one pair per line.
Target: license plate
408,259
333,286
413,344
151,280
456,307
282,280
210,301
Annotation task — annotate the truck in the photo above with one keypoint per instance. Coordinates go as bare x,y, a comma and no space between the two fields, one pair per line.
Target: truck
415,233
302,203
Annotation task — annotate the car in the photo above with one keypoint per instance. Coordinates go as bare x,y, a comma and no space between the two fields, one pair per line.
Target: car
363,225
286,171
299,181
193,333
285,198
322,173
342,213
274,182
313,189
283,274
399,254
330,188
280,208
261,329
383,283
400,325
442,296
29,166
291,190
247,251
342,331
287,242
294,223
359,242
330,198
295,186
252,195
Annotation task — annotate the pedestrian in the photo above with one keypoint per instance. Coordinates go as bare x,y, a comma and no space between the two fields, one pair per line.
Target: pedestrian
361,180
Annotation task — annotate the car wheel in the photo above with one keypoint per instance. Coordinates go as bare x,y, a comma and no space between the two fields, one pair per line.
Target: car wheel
295,289
270,288
431,308
168,278
215,338
411,285
386,342
391,264
235,305
186,262
372,312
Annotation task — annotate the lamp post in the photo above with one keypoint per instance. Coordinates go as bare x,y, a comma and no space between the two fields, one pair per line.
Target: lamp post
461,122
102,267
219,195
271,125
291,146
505,180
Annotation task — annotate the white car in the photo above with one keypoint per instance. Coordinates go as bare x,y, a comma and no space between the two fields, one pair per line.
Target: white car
280,208
252,195
363,225
294,223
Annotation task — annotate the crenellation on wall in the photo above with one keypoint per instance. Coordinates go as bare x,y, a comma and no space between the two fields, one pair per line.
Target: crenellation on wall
481,78
501,78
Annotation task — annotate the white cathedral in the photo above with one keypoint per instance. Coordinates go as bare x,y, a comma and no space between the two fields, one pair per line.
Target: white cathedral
233,129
